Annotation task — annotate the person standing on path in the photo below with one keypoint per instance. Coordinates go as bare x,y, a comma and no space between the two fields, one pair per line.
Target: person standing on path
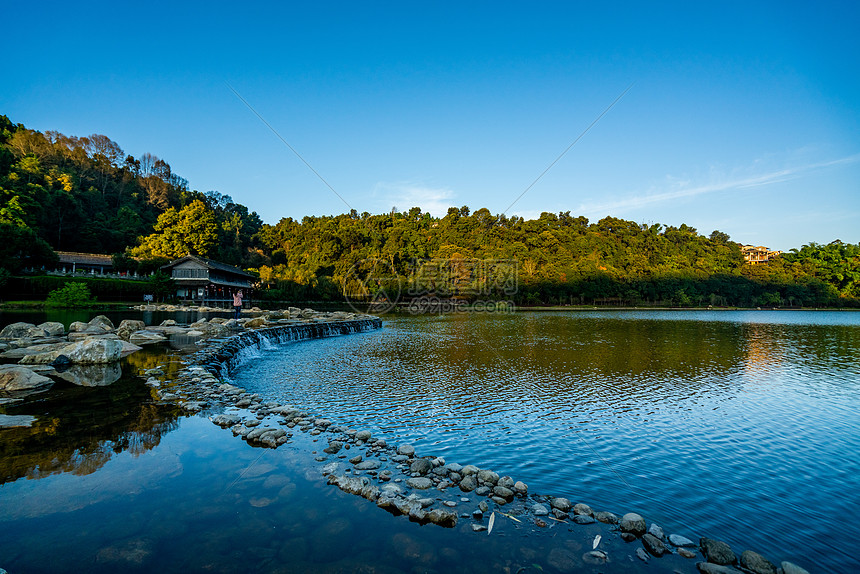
237,303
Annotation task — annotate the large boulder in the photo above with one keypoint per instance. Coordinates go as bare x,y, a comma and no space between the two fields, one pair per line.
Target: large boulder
22,331
22,352
717,551
16,378
146,337
129,326
53,328
77,326
101,322
213,329
128,348
86,352
255,323
91,333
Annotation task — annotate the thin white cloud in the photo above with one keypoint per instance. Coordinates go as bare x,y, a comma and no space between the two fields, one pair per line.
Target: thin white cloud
405,195
683,189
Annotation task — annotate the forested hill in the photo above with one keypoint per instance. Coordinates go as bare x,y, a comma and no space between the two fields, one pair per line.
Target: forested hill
559,258
86,194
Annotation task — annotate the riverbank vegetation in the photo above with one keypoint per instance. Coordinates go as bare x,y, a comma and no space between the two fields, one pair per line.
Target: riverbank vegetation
85,194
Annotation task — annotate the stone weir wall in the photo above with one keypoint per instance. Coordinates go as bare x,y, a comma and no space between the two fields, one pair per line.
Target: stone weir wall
222,359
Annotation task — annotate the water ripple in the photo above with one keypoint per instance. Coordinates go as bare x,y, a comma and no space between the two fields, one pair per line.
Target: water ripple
709,423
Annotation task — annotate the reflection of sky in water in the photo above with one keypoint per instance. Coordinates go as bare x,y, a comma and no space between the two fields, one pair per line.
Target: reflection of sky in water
703,420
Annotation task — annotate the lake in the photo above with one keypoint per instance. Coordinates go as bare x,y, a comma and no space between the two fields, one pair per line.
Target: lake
739,425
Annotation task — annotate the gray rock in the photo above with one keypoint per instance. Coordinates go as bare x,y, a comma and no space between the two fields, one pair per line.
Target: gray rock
21,331
22,352
656,531
129,326
791,568
16,378
420,466
333,447
505,493
225,420
641,554
392,490
469,469
483,491
363,435
506,481
85,352
653,544
128,348
53,328
716,551
633,523
10,421
91,334
469,483
562,504
487,477
454,467
406,449
596,557
679,540
193,406
368,465
521,488
756,563
708,568
77,326
101,323
584,519
419,483
583,509
440,517
607,517
540,510
146,337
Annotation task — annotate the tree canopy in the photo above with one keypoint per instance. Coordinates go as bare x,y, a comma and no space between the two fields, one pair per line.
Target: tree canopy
70,193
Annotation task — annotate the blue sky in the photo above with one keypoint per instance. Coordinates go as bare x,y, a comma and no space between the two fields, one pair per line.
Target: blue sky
742,117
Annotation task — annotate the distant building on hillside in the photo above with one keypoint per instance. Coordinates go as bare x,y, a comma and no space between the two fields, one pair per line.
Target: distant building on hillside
758,254
202,281
72,262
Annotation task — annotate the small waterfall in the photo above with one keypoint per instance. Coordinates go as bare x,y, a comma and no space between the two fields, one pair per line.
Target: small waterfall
223,359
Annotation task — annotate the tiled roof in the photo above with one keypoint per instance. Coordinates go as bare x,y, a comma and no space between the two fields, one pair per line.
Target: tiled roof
84,258
210,263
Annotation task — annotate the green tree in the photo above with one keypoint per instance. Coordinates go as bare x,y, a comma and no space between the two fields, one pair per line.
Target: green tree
20,247
70,296
190,230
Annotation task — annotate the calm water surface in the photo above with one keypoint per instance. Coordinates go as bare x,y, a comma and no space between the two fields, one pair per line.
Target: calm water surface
736,425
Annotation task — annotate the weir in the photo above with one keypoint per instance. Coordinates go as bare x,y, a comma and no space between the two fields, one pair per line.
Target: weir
224,358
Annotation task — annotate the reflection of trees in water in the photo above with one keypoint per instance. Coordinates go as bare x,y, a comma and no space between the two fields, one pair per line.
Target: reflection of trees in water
50,448
79,429
149,358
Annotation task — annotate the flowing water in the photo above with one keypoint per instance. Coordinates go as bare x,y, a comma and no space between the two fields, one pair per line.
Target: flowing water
740,426
736,425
